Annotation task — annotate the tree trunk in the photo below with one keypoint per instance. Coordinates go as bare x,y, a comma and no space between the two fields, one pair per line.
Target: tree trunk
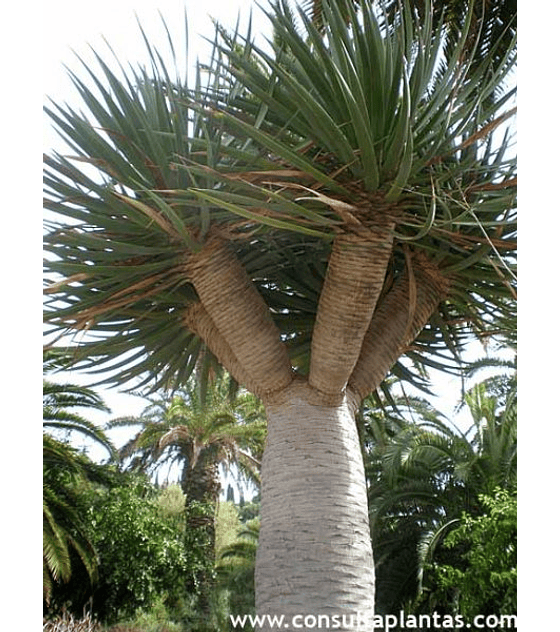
314,559
314,556
357,268
240,315
201,486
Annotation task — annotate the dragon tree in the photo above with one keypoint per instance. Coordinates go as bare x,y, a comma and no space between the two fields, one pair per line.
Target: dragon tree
314,213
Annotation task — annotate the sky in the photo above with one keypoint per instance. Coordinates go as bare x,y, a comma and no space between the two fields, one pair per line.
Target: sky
75,27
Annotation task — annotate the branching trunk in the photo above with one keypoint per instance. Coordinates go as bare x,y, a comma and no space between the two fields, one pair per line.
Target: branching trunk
398,319
197,320
314,556
354,279
240,315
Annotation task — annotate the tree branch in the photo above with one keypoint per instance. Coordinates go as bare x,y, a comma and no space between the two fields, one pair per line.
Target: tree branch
240,315
401,315
354,279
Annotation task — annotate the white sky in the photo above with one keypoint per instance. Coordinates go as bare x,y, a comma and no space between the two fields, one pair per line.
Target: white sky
73,27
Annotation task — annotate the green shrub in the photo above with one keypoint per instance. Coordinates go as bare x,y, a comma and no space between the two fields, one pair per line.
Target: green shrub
486,580
157,619
145,554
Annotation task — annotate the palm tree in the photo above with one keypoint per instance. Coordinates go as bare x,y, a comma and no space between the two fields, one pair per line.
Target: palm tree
59,400
494,437
315,215
65,539
424,474
64,471
201,428
497,372
408,485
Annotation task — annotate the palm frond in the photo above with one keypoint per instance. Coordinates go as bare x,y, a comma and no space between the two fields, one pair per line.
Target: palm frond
199,422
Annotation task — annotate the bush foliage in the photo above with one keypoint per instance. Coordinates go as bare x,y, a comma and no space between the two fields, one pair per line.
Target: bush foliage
485,581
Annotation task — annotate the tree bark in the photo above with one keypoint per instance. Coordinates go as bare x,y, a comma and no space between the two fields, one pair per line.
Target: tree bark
354,279
197,320
240,315
400,316
201,486
315,555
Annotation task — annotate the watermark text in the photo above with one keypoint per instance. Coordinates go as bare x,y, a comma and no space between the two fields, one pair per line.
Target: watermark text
369,623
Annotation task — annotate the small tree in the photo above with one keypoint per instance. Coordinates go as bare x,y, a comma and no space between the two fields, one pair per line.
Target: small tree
143,557
484,581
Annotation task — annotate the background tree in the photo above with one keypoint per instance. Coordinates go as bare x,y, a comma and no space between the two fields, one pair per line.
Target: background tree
491,26
497,373
485,583
60,401
141,552
311,215
65,539
236,569
424,476
202,427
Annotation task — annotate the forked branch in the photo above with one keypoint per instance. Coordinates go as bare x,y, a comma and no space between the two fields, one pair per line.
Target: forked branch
240,315
398,319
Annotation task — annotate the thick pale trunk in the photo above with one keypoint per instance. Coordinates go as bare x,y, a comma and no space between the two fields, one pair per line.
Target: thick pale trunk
314,561
314,556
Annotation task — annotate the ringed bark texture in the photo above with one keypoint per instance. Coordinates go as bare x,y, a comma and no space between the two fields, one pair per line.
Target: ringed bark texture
240,315
396,322
197,320
315,555
354,279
